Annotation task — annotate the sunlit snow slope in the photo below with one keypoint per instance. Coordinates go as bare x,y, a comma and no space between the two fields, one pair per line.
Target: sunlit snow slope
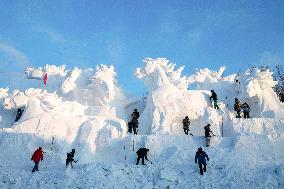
86,109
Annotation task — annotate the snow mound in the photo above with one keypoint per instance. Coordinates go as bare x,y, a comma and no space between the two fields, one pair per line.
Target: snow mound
168,100
86,109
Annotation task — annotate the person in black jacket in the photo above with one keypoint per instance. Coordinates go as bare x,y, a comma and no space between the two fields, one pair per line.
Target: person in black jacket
135,114
19,114
281,97
200,156
237,107
130,126
214,98
186,123
135,125
70,158
208,133
141,153
246,109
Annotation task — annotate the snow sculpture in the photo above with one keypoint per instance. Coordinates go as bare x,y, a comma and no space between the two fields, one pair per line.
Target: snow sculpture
165,95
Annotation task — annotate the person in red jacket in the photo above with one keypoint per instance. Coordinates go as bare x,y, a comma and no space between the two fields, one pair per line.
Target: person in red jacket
37,156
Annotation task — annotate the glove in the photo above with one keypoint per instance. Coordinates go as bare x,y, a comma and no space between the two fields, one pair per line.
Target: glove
195,162
208,159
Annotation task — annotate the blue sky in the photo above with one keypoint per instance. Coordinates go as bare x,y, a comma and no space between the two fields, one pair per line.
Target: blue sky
193,33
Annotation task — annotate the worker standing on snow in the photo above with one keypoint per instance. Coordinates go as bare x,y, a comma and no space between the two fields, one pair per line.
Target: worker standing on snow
186,123
130,126
208,133
246,110
281,97
237,107
37,157
70,158
200,156
214,98
135,125
134,122
141,153
135,114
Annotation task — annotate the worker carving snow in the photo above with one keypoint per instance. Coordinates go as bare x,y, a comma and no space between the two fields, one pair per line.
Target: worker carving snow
214,98
237,107
133,124
70,158
246,109
142,153
208,133
186,124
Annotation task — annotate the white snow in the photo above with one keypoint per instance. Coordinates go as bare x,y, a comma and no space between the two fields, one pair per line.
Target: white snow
86,109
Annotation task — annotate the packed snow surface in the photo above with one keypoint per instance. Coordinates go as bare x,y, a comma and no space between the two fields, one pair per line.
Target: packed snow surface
86,109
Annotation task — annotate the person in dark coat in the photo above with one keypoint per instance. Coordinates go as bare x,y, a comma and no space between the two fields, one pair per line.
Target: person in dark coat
135,125
200,156
135,114
19,114
237,107
246,110
37,157
186,123
214,98
130,126
208,133
281,96
70,158
141,153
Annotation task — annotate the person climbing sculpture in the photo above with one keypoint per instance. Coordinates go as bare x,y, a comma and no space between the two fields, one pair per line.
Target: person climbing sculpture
133,124
214,98
37,157
200,155
70,158
130,126
208,133
186,123
237,107
142,153
246,109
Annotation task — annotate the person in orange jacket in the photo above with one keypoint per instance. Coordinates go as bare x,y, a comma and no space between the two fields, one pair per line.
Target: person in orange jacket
37,157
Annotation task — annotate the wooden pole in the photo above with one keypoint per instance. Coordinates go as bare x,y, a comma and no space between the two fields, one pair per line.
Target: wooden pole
124,152
222,127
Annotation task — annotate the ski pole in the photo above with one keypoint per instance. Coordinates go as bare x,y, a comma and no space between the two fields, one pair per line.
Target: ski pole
149,161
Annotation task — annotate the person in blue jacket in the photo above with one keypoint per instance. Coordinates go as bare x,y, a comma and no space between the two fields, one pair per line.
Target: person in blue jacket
200,156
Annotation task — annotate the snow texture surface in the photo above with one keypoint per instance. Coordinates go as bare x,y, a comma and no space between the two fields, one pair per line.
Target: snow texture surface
86,109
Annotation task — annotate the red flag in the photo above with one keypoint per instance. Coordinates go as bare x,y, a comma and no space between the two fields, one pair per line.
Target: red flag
45,79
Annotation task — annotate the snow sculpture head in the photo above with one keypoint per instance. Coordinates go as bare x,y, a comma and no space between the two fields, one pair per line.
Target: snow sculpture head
96,87
204,77
102,87
256,81
160,72
38,73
